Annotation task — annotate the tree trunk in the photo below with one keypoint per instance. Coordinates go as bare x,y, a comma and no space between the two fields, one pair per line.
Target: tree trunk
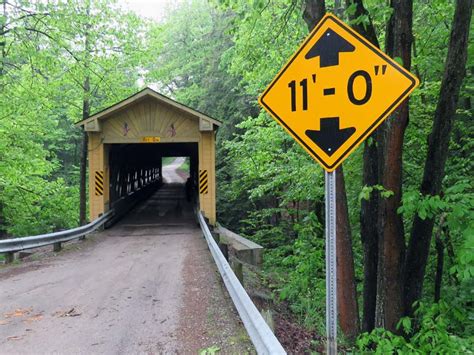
439,260
313,12
389,305
83,164
3,41
369,208
85,115
346,285
438,145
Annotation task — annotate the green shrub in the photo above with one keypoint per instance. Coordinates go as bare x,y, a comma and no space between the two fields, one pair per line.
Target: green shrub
433,334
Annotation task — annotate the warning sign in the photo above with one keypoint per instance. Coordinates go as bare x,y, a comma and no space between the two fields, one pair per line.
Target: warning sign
335,90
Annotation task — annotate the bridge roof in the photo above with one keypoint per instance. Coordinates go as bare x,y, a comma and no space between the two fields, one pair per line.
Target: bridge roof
147,92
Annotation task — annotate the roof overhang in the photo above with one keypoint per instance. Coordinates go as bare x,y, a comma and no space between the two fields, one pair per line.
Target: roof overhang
92,124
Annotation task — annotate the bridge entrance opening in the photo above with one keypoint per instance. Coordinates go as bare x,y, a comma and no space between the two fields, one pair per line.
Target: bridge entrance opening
129,141
135,166
176,169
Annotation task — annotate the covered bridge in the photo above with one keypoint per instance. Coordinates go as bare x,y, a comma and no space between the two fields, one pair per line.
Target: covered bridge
128,140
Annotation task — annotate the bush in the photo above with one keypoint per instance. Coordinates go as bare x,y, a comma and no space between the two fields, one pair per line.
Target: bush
432,336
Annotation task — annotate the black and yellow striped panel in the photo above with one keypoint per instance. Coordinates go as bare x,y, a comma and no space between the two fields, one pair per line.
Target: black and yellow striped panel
99,183
203,183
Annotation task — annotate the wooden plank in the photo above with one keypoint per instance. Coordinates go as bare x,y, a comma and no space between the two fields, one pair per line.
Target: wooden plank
245,250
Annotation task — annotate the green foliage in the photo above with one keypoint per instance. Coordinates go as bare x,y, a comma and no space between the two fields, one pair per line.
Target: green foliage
457,204
40,207
212,350
433,334
167,160
368,190
297,269
44,63
185,166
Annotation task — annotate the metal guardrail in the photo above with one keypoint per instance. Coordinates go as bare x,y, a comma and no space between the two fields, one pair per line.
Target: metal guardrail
18,244
262,337
120,207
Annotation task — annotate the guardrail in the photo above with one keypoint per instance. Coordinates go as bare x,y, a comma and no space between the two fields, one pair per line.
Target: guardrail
11,246
262,337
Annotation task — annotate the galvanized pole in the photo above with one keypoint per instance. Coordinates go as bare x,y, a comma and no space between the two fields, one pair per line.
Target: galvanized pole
331,264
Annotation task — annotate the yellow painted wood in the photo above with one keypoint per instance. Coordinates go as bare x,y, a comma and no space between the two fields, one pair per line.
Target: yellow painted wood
149,116
207,161
98,161
145,93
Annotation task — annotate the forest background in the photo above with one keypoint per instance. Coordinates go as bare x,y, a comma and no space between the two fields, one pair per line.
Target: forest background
406,202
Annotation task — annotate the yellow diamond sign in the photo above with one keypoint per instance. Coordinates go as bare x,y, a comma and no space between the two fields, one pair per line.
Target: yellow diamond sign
335,90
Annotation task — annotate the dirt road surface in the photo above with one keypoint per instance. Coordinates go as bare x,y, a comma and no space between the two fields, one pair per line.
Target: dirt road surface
170,174
147,285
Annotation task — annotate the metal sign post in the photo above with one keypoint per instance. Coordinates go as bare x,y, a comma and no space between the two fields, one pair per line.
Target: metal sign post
331,264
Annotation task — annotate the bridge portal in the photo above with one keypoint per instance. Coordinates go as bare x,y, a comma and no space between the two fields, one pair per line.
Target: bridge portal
128,140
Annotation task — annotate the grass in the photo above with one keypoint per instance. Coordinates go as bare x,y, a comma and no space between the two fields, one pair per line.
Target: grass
185,166
167,160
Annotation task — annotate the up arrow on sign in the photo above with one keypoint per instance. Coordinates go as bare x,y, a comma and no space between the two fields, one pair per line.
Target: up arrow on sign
328,49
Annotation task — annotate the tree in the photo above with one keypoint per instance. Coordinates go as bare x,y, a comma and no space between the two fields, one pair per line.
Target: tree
43,63
98,46
391,244
381,224
438,147
369,207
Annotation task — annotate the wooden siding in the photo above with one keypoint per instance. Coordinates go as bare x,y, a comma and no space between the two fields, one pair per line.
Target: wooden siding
207,161
98,161
150,118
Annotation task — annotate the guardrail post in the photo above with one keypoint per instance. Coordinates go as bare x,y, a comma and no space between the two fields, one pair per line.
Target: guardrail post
224,249
238,270
9,257
57,247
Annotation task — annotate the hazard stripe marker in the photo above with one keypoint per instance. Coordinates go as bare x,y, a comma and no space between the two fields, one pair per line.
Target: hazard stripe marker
203,183
99,183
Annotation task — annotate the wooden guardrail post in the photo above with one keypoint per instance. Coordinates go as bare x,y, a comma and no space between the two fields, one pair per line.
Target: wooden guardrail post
57,247
238,270
245,250
239,251
9,257
224,249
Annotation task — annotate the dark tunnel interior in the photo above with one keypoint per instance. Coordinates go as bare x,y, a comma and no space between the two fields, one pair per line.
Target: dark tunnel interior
135,167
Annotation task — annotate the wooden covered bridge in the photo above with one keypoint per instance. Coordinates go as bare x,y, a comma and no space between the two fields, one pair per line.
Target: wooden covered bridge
128,140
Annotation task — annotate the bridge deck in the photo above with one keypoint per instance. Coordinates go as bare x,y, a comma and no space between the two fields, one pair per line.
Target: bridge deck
146,285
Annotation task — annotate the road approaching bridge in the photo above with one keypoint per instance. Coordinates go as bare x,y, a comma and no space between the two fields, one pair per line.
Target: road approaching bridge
148,284
170,172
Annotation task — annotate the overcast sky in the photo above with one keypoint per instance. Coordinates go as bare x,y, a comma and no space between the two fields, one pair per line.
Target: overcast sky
152,9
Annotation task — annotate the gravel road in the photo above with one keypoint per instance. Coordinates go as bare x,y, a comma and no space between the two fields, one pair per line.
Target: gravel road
169,171
147,285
